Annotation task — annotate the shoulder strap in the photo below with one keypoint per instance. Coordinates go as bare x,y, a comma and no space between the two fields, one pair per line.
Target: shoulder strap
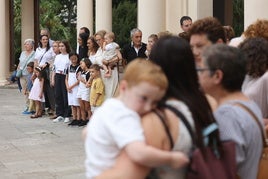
184,120
166,128
28,58
256,119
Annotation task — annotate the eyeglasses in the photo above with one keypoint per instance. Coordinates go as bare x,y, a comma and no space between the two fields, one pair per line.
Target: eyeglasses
202,69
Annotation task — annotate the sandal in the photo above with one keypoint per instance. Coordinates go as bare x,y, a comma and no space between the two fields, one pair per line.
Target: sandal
35,116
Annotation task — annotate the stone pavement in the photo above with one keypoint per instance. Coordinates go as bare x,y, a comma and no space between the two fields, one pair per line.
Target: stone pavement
36,148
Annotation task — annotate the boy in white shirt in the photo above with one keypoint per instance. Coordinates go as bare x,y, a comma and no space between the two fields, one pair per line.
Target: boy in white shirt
116,124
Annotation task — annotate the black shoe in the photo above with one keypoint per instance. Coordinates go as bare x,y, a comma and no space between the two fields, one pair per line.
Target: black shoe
74,122
83,123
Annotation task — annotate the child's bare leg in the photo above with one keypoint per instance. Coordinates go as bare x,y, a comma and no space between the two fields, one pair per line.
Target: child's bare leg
109,70
88,109
78,112
105,68
39,108
74,112
82,108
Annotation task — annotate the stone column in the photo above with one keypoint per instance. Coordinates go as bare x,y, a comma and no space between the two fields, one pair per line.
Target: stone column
151,17
254,10
175,9
27,20
4,42
85,15
103,15
200,8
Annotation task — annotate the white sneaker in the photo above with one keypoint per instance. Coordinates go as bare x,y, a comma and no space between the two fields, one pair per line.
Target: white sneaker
66,120
58,119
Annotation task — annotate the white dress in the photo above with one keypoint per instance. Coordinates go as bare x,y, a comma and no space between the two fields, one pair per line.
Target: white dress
35,91
72,97
109,83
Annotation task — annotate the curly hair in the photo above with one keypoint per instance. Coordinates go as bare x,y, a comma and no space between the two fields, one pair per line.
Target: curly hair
257,29
256,53
210,26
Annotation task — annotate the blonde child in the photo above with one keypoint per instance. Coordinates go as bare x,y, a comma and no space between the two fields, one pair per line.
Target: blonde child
116,125
37,92
84,92
72,87
151,41
110,51
97,87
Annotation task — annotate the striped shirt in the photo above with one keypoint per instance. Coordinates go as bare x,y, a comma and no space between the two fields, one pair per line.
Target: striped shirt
236,124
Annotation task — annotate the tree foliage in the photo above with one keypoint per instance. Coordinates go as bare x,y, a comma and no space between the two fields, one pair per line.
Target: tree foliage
17,30
124,19
60,18
238,16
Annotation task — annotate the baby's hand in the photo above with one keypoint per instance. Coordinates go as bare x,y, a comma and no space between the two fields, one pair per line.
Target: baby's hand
178,160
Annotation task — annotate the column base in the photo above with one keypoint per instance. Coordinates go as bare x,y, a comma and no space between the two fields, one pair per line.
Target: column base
3,82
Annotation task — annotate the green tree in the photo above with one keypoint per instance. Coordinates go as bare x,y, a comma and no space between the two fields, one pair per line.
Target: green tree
238,16
60,18
17,30
124,19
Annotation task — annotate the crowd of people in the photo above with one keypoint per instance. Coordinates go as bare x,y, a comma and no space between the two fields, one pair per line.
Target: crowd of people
204,72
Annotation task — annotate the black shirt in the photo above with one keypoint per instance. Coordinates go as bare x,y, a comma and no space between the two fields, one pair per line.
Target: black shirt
129,52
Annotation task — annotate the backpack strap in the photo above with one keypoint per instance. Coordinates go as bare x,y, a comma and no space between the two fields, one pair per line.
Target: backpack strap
162,119
184,120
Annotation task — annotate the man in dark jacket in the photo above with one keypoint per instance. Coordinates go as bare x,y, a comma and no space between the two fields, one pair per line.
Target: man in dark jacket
136,48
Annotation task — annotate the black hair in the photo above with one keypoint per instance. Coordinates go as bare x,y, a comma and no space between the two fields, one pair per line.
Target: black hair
40,44
87,62
175,56
30,64
184,18
86,30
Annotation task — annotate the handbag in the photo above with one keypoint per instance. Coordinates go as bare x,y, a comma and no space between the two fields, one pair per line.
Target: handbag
19,71
215,163
263,163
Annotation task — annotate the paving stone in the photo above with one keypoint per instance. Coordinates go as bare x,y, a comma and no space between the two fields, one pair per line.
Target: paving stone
36,148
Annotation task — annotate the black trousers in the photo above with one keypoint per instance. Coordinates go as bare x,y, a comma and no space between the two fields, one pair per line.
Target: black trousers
61,97
49,95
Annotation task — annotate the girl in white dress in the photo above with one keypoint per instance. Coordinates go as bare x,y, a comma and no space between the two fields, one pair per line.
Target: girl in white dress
72,87
37,93
84,91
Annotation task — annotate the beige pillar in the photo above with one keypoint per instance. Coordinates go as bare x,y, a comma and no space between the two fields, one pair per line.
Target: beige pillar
200,8
27,20
175,9
254,10
4,42
151,17
85,15
103,15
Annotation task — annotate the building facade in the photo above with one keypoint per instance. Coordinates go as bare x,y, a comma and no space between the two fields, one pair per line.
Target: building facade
153,16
